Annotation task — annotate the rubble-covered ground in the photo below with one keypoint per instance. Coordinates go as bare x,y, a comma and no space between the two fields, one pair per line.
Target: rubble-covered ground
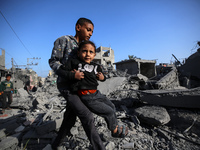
35,118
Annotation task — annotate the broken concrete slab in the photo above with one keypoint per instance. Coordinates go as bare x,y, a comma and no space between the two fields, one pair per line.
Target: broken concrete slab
49,126
22,92
169,81
185,98
10,142
110,84
153,115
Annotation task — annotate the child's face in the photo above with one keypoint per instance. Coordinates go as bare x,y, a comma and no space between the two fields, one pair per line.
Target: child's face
87,53
85,31
8,78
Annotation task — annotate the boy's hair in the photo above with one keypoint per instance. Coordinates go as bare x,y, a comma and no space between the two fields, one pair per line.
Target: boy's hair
8,75
86,42
81,21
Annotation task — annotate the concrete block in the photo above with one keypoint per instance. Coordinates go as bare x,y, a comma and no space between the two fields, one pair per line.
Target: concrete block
2,133
110,84
153,115
169,81
9,142
22,92
49,126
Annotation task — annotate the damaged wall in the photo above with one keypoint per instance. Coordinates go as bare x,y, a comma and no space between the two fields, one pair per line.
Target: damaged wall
138,66
2,60
105,56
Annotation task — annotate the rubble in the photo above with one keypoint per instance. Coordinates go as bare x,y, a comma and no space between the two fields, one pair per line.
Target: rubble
159,111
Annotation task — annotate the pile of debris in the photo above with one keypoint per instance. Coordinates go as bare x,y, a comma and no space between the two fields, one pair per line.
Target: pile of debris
161,113
36,117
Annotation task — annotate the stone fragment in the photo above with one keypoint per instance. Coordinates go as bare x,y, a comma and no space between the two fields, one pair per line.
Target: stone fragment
128,146
19,129
153,115
9,142
2,133
110,146
110,84
49,126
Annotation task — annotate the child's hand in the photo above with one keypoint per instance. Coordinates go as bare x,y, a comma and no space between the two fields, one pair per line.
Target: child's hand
100,76
79,75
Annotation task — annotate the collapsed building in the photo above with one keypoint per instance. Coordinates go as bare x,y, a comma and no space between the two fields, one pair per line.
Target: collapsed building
105,57
138,66
3,71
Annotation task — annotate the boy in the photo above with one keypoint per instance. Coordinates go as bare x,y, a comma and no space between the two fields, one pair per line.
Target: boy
84,83
7,88
66,47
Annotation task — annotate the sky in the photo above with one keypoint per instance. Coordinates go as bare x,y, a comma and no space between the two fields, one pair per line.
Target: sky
147,29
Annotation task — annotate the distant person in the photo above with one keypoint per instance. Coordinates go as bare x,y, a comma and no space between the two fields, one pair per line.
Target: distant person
64,48
7,88
84,83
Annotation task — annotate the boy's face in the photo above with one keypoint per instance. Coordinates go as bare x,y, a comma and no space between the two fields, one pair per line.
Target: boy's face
8,78
87,53
85,31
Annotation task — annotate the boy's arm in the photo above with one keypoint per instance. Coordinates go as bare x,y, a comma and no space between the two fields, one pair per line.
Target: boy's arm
56,60
65,71
2,86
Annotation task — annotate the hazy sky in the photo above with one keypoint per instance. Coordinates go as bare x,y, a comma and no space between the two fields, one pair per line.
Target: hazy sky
148,29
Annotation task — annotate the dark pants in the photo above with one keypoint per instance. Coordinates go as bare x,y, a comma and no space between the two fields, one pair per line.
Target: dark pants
102,106
5,95
74,108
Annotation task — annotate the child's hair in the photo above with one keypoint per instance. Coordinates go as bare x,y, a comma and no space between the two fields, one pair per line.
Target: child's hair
8,75
86,42
81,21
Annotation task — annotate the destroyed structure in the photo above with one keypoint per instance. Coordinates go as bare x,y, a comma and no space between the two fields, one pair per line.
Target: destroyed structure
105,57
138,66
2,66
161,111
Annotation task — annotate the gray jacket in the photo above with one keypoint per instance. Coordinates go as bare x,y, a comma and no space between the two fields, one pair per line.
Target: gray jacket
64,48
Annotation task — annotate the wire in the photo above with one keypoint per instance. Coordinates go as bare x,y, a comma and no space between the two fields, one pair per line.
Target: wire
14,58
16,34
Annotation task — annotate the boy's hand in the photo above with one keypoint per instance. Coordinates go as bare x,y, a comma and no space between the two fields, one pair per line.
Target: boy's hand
100,76
79,75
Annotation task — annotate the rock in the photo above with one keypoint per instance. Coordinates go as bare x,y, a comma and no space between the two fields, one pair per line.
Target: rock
110,146
153,115
128,146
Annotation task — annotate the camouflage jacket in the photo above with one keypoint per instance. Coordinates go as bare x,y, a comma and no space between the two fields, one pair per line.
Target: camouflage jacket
64,48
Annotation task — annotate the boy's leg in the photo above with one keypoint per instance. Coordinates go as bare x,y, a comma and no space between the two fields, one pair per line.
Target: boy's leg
87,120
10,99
100,105
67,123
4,101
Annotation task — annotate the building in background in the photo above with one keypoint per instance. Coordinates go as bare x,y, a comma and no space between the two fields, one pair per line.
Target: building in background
138,66
105,57
3,70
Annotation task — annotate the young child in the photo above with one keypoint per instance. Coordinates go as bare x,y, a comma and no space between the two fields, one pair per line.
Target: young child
84,83
7,88
66,47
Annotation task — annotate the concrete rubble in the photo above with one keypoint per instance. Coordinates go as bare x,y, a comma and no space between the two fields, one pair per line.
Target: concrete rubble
161,113
36,117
